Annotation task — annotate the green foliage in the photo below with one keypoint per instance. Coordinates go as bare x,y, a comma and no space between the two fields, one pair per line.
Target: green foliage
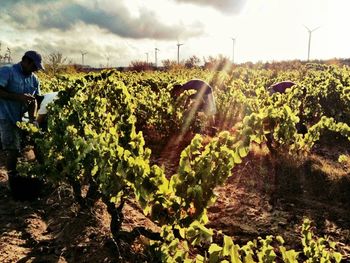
95,139
317,249
91,139
269,249
201,168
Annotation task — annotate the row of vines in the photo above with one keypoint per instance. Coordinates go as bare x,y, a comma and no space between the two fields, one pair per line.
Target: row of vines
96,141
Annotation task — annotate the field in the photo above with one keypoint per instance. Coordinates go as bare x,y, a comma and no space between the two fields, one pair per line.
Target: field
129,179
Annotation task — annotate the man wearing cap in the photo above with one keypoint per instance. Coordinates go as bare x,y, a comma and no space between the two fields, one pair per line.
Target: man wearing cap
18,87
280,87
203,98
202,102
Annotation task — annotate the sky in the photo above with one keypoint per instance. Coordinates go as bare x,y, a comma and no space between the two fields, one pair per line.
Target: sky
116,32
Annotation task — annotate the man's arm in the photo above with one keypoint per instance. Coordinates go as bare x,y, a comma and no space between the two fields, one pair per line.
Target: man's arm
32,111
24,98
41,118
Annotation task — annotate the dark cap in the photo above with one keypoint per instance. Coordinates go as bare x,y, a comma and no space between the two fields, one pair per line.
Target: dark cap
36,57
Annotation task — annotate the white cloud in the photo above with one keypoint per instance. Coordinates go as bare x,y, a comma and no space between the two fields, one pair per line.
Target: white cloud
225,6
126,30
113,16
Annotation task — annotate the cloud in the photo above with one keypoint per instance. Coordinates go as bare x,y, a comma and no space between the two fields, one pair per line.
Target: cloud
225,6
10,3
71,43
115,18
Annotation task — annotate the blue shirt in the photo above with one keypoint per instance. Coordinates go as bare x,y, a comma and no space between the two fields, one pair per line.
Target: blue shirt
13,79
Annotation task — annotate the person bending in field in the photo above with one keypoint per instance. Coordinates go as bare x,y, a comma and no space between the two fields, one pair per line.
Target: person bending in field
197,105
202,102
281,87
18,87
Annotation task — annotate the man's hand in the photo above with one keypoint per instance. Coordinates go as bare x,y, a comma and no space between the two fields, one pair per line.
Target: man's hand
26,98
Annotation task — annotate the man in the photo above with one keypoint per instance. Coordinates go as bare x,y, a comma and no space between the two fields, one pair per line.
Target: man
18,87
280,87
200,103
202,100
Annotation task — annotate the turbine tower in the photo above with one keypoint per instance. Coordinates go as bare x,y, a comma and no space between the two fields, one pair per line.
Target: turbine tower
309,45
155,55
233,49
146,57
178,52
83,53
108,57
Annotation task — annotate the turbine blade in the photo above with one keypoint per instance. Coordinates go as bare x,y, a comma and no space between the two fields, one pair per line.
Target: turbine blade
315,29
308,29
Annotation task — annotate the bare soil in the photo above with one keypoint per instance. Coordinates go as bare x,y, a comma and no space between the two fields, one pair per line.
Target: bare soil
264,196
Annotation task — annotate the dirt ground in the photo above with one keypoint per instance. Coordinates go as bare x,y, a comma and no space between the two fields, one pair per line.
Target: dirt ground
262,197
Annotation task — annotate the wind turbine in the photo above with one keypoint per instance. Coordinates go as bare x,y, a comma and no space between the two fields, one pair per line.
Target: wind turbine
309,45
147,56
178,52
83,53
108,57
155,55
233,49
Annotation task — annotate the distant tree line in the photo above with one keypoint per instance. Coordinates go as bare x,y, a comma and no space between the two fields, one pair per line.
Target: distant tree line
222,63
